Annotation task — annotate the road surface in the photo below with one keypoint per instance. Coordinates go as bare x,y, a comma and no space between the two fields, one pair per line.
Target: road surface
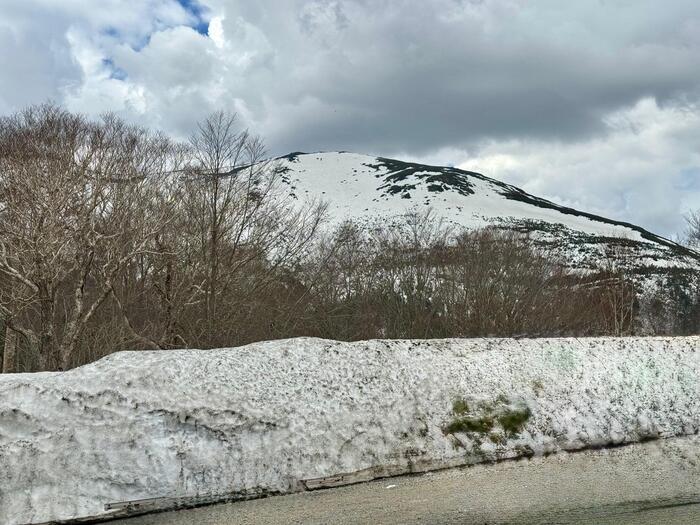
650,483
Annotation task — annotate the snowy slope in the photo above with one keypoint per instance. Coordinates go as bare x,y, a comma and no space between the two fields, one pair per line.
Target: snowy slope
265,417
375,190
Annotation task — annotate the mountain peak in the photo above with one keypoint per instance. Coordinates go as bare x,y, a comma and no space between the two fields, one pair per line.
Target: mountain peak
379,190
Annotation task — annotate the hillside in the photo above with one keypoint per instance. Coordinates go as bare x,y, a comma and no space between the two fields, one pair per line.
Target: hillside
376,190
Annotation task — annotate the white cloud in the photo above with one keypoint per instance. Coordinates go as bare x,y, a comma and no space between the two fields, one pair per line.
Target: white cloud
216,32
580,102
637,171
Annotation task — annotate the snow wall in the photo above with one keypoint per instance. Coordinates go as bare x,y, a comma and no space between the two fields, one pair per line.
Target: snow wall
274,417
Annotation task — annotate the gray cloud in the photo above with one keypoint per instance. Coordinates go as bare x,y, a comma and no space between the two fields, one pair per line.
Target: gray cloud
400,76
445,80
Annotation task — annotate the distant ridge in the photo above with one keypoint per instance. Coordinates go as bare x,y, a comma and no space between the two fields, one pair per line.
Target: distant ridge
374,190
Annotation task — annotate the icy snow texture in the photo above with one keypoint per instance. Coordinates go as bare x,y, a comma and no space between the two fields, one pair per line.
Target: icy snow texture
265,416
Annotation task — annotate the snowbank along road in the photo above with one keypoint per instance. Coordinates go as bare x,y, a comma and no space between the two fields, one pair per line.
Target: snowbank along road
283,416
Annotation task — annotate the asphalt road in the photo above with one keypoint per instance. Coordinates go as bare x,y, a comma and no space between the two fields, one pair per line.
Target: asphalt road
650,483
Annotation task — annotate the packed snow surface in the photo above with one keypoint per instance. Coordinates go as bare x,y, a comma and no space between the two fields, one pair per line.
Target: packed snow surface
361,185
268,416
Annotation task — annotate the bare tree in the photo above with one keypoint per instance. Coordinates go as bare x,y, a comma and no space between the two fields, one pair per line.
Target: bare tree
72,194
692,230
9,350
241,216
617,291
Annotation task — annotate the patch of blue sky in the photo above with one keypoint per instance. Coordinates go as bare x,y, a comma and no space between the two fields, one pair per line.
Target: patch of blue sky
133,39
112,32
690,179
115,71
199,21
199,13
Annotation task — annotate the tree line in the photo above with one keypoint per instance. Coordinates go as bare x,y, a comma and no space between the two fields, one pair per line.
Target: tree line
115,237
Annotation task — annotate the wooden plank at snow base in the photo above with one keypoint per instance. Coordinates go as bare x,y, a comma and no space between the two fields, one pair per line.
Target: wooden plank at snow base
360,476
373,473
128,509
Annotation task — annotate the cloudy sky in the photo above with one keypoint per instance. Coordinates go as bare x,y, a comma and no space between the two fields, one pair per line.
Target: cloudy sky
594,103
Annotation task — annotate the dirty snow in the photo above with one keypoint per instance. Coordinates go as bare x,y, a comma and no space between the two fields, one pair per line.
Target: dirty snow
266,416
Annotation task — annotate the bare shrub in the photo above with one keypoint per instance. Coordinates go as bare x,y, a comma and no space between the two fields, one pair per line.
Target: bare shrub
421,279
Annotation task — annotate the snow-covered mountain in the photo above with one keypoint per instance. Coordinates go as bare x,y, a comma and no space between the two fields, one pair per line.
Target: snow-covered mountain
376,190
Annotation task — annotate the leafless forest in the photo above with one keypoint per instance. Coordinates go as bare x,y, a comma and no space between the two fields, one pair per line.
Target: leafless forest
114,237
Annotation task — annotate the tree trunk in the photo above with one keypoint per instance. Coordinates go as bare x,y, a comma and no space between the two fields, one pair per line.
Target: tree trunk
9,351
